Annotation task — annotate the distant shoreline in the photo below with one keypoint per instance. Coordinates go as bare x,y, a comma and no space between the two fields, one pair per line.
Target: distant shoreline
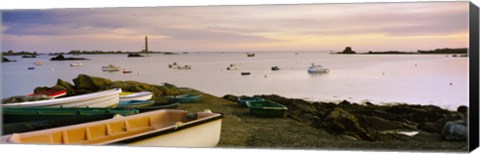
462,51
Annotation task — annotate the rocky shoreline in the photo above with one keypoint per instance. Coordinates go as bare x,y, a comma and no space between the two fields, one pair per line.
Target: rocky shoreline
309,125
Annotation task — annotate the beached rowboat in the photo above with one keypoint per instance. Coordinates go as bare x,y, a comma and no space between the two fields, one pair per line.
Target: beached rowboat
51,93
144,95
20,127
243,100
183,98
107,98
167,127
267,108
155,106
11,115
135,103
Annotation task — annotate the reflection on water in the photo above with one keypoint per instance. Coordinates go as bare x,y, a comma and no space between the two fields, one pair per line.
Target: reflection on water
419,79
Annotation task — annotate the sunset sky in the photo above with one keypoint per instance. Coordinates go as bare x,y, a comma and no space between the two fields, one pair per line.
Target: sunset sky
319,27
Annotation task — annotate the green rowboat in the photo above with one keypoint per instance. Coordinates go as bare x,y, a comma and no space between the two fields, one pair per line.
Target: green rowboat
26,126
183,98
12,115
267,108
155,106
135,103
243,100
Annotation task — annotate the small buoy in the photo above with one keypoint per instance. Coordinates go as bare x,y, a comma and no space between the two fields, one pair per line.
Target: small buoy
451,84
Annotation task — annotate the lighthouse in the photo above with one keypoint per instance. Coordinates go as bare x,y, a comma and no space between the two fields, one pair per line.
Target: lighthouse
146,44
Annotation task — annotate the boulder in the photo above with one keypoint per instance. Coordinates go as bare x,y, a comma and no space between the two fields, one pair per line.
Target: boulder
64,84
455,131
91,83
340,121
229,97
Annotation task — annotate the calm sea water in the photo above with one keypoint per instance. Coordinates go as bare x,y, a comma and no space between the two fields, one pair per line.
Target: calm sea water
412,79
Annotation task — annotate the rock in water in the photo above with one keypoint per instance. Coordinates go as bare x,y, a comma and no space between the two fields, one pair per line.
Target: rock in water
455,131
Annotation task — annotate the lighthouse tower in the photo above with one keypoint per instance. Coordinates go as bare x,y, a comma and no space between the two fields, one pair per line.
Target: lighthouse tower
146,44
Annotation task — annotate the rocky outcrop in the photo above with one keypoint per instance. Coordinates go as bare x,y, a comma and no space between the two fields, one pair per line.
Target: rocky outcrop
367,121
347,50
6,60
87,84
61,58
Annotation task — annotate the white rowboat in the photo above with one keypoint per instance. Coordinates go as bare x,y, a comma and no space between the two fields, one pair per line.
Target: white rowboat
108,98
144,95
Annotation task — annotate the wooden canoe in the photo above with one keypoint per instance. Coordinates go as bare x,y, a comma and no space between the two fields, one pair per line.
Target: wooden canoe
107,98
267,108
166,127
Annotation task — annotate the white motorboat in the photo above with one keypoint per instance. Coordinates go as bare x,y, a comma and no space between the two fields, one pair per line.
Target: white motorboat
110,68
317,69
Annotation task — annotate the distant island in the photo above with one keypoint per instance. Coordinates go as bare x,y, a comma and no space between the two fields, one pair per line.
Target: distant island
94,52
21,53
61,58
348,50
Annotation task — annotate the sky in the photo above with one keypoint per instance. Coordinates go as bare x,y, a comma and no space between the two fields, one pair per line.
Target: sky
315,27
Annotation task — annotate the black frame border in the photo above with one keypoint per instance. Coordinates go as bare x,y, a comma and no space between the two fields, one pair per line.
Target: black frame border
474,77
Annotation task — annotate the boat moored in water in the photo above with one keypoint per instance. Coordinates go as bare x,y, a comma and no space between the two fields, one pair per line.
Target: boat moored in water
111,68
317,69
76,64
275,68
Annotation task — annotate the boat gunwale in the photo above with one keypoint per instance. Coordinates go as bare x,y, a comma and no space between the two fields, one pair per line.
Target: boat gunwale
278,105
132,138
135,95
66,100
170,129
71,111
